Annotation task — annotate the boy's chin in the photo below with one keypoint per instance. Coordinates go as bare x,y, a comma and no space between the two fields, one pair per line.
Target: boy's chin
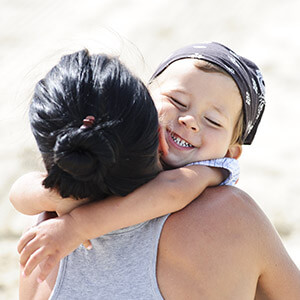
167,165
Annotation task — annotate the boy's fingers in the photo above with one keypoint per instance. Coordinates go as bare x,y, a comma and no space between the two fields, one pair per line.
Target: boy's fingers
25,238
47,267
28,250
87,244
34,260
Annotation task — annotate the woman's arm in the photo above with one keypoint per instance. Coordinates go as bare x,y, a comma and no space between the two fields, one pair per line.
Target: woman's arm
280,277
168,192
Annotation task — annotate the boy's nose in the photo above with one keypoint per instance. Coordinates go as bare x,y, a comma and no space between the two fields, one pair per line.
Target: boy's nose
189,122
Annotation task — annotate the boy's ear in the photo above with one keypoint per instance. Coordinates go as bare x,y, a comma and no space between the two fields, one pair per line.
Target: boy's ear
234,151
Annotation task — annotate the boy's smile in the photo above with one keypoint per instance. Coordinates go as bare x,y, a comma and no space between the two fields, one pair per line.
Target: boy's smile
198,111
177,141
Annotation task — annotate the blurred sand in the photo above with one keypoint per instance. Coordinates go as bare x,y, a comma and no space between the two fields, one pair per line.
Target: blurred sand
34,34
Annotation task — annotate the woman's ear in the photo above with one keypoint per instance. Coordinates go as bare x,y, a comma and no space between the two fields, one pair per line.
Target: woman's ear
234,151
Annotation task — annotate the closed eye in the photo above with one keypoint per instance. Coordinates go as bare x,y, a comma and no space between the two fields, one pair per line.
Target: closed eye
213,122
177,102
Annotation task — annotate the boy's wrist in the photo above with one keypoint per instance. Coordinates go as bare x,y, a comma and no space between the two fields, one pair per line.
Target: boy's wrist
44,195
72,226
48,199
81,219
217,176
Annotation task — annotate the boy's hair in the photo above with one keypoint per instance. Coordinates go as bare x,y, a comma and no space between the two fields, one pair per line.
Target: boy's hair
238,129
118,152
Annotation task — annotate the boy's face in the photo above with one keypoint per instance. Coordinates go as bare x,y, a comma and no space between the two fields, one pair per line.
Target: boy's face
198,111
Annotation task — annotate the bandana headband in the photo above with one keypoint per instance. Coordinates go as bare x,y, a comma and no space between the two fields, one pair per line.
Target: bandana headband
244,72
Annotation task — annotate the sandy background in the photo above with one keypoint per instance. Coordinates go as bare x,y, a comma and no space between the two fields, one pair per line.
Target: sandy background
34,34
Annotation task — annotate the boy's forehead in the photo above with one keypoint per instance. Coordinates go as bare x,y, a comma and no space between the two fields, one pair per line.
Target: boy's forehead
178,68
181,72
214,90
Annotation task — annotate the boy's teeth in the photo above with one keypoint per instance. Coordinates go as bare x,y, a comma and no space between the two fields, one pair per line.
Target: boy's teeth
180,142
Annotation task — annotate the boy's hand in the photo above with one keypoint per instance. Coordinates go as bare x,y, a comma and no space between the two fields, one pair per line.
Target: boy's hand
48,242
213,175
218,175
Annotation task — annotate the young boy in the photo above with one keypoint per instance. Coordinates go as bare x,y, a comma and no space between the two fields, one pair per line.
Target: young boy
210,102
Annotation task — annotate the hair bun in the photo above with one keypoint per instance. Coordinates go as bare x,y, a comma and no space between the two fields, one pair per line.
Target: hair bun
73,156
84,154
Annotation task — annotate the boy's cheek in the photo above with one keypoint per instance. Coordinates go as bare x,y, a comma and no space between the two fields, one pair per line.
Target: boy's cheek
163,146
166,112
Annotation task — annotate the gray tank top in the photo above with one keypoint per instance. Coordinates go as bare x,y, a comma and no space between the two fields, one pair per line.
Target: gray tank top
120,266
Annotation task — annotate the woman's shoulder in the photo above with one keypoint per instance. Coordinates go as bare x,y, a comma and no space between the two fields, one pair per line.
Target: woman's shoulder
211,237
221,217
222,205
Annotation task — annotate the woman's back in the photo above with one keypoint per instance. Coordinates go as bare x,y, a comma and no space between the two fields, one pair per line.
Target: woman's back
186,256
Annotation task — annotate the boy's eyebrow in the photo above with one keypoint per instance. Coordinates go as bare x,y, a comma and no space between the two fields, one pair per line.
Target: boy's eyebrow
221,111
181,91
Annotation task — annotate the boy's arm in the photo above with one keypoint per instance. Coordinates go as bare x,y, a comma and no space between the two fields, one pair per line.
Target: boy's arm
26,195
29,196
168,192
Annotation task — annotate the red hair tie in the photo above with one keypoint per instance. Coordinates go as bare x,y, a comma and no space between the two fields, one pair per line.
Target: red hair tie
88,122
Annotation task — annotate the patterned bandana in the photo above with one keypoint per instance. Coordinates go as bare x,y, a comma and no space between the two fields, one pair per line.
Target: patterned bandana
244,72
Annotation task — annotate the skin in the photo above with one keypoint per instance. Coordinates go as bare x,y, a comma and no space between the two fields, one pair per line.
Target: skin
222,231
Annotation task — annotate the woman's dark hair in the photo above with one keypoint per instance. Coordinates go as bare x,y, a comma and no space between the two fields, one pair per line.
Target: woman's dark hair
115,155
